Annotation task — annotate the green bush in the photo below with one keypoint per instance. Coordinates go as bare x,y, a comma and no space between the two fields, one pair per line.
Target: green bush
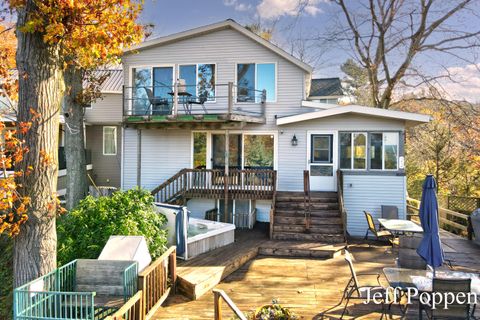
83,232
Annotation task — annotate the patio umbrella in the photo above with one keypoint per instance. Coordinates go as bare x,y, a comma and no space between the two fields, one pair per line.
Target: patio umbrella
430,249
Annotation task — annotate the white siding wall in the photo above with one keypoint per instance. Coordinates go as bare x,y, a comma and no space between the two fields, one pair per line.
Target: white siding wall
106,110
293,160
370,193
129,165
226,48
198,207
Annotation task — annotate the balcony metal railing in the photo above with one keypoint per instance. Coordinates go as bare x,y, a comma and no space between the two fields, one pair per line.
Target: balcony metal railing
194,100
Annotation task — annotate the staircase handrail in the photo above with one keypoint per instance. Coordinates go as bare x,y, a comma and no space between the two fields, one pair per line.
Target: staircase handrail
218,295
341,204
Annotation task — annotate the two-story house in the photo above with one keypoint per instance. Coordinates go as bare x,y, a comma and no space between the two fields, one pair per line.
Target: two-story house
217,113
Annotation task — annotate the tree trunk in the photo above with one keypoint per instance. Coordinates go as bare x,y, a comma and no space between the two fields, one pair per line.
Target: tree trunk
77,184
40,90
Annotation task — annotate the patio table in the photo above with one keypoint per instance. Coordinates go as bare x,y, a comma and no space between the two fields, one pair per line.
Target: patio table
398,226
422,279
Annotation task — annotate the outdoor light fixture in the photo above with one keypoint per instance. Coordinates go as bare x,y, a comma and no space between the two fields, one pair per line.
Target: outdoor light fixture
294,140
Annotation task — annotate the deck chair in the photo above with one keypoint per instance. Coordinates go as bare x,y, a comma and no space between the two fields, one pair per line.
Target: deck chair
379,234
455,310
158,106
200,100
389,212
354,290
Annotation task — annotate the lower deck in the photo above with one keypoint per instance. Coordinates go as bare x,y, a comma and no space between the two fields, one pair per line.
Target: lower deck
308,286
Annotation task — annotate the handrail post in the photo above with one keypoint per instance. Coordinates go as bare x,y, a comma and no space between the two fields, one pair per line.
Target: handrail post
172,264
230,98
217,305
175,98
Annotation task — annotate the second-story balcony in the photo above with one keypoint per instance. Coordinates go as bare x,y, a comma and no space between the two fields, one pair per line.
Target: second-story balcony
197,103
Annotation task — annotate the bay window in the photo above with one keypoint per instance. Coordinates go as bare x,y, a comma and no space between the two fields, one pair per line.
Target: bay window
252,78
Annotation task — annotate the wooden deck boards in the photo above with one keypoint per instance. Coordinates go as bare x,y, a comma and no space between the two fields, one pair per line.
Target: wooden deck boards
308,286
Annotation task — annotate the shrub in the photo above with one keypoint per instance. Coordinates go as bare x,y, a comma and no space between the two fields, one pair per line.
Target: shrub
83,232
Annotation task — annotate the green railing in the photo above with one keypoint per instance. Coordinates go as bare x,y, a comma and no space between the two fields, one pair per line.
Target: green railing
53,296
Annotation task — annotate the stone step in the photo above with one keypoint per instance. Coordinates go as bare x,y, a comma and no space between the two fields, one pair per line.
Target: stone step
313,213
325,229
313,221
328,238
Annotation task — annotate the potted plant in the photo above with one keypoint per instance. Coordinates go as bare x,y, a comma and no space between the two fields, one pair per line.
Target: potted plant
273,311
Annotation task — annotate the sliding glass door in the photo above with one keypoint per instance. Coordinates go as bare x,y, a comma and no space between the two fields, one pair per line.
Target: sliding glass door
148,84
218,151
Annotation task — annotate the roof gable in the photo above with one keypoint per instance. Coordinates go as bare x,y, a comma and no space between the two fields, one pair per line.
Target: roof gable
227,24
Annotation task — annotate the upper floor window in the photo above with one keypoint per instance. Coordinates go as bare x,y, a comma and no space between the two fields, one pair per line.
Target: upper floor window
199,80
109,141
252,78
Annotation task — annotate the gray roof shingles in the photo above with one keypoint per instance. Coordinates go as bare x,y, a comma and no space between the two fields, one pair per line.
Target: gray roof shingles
325,87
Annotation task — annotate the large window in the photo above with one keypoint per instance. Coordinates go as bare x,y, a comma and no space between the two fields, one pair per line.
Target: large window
149,83
252,79
199,80
199,150
353,150
384,151
258,151
109,141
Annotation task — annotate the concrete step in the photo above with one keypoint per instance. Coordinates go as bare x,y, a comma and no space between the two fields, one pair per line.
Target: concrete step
327,238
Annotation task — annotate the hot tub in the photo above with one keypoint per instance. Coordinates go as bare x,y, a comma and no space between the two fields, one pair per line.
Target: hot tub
198,236
205,235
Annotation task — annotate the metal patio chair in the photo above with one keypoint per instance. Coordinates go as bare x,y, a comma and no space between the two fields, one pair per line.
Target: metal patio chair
354,290
455,310
158,106
379,234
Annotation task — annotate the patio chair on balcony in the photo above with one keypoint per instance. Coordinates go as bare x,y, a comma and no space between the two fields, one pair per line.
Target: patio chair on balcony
158,106
456,310
354,290
379,234
200,100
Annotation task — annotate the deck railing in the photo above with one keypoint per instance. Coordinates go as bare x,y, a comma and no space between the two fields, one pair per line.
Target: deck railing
131,310
218,296
157,281
212,183
449,220
341,203
172,100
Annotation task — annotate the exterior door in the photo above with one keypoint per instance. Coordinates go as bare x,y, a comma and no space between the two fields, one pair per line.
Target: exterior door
322,161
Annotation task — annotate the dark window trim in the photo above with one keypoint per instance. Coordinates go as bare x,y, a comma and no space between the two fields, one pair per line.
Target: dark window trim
330,156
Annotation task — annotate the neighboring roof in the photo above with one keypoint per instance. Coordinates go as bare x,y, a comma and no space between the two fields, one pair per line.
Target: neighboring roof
326,87
216,27
113,82
410,118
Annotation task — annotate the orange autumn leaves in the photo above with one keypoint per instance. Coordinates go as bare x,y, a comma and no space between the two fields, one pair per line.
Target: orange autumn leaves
13,206
89,32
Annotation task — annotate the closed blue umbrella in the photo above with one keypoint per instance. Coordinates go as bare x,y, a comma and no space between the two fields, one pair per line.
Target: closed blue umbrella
430,248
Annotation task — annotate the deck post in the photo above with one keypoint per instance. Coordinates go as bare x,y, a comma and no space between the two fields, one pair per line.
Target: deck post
175,98
225,178
230,98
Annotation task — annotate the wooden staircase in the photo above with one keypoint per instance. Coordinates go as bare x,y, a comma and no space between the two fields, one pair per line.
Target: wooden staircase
326,221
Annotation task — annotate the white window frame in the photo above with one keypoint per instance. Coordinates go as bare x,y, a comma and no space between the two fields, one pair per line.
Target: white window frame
196,77
256,63
243,134
383,150
114,138
352,147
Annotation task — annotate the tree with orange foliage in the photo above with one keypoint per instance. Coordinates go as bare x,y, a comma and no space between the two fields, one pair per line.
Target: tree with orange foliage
54,35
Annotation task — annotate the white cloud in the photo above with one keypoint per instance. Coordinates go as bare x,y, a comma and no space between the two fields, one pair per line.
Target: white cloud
466,84
237,6
271,9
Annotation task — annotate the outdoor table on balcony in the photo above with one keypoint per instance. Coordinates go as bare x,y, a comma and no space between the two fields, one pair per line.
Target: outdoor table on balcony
422,280
398,226
185,98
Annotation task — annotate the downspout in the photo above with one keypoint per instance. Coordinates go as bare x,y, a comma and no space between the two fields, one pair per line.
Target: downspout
139,157
225,179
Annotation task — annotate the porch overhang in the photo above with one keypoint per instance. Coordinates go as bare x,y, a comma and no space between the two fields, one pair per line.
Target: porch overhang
411,119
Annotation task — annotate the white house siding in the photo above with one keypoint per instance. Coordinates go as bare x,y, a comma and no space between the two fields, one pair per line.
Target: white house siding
130,157
198,207
293,160
106,110
369,193
226,48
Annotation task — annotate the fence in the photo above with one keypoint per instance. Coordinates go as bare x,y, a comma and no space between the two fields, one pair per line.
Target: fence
464,205
451,221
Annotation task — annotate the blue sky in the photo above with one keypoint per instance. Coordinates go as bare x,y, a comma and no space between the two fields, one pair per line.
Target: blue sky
170,16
